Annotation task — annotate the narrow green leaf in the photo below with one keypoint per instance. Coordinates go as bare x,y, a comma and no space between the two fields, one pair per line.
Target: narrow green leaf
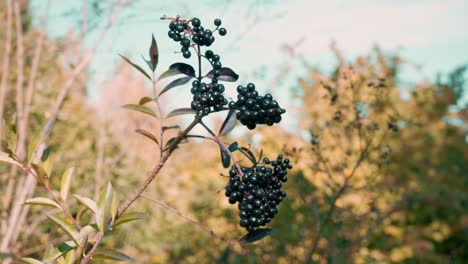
10,132
164,128
114,206
175,83
65,185
136,66
183,68
233,147
255,235
31,261
79,253
42,201
148,135
89,203
66,226
181,111
70,257
148,62
48,165
228,124
45,154
103,205
226,74
61,250
225,159
41,173
140,108
248,154
5,158
33,146
168,73
154,54
127,217
145,100
111,255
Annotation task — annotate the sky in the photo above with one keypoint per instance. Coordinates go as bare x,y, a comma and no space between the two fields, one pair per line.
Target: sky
431,35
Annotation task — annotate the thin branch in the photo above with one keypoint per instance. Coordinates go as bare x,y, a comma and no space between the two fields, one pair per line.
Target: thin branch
140,189
205,228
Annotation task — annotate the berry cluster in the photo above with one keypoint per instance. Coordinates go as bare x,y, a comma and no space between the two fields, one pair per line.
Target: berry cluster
258,191
181,31
208,98
255,109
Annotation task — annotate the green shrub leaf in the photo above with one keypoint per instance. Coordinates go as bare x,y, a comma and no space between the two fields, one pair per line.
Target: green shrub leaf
181,111
175,83
111,255
140,108
54,253
65,184
255,235
87,202
127,217
228,124
136,66
66,226
42,201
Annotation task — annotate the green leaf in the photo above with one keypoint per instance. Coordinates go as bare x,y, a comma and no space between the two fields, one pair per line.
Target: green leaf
81,249
227,75
148,62
233,147
168,73
45,154
5,158
136,66
148,135
111,255
248,154
140,108
175,83
145,100
87,202
42,201
70,257
154,54
183,68
114,206
103,204
228,124
10,132
65,184
255,235
225,158
48,165
55,253
33,146
41,173
31,261
164,128
66,226
181,111
127,217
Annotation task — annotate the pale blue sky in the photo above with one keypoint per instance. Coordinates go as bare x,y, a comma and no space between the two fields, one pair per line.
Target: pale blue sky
429,33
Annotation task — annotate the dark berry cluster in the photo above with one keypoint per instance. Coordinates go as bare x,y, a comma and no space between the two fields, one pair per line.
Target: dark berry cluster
181,31
258,191
255,109
208,98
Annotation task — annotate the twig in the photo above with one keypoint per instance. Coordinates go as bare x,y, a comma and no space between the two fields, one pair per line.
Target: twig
140,189
205,228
